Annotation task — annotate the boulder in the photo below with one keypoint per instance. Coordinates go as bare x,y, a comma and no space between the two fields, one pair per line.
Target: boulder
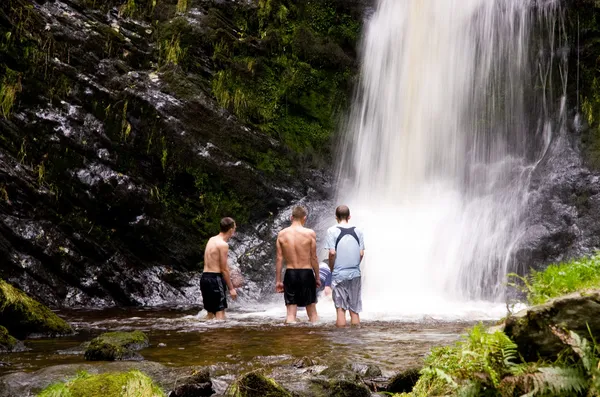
8,343
366,370
197,385
342,380
112,346
115,384
530,328
403,381
256,384
24,316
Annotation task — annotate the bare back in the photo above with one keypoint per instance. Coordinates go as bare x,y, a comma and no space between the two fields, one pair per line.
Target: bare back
215,255
298,246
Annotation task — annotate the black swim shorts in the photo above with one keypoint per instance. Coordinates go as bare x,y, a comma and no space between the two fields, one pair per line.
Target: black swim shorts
212,286
299,287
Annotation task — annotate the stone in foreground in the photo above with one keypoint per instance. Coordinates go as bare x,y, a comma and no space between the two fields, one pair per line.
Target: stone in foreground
404,381
112,346
197,385
132,383
530,328
24,316
256,384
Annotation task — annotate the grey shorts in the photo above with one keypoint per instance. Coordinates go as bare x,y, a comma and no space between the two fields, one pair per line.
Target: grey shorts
347,295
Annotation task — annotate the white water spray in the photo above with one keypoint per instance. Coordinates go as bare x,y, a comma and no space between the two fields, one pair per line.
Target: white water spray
446,129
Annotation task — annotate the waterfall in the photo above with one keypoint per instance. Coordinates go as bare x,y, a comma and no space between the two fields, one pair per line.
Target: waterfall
453,110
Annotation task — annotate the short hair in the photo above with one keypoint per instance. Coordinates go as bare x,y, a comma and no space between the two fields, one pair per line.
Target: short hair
227,224
298,213
342,212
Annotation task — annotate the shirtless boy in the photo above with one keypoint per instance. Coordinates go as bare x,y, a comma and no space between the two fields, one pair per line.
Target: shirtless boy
216,272
297,245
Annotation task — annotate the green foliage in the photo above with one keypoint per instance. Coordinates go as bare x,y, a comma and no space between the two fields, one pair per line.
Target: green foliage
487,364
286,68
560,279
126,384
479,361
10,87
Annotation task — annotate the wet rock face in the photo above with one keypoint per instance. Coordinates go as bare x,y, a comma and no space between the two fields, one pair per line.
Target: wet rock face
115,165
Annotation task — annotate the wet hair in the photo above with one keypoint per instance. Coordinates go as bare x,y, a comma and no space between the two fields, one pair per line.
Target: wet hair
298,213
227,224
342,213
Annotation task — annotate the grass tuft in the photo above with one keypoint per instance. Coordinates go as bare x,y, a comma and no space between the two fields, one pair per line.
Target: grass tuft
560,279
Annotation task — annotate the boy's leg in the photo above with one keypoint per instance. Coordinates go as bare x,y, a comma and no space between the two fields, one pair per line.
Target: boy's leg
220,315
311,310
292,310
341,317
210,316
354,318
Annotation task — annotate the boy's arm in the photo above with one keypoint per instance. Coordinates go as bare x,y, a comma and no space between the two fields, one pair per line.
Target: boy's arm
223,252
278,267
330,244
361,243
313,256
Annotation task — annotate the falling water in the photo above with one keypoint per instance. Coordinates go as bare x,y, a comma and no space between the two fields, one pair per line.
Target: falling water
452,114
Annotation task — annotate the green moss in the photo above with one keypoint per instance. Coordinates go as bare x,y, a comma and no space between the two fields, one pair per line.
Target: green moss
561,279
256,384
128,384
22,315
7,342
116,346
9,88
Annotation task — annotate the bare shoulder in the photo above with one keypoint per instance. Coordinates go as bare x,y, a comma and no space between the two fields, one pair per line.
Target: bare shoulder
282,233
310,232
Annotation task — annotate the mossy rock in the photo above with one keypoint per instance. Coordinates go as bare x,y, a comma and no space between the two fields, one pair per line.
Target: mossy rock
403,381
339,388
531,329
256,384
116,384
197,385
8,343
24,316
112,346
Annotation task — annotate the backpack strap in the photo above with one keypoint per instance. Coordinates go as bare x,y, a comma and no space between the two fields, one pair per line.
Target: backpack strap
345,231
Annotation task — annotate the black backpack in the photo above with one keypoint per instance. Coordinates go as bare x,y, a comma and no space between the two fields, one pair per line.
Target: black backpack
345,231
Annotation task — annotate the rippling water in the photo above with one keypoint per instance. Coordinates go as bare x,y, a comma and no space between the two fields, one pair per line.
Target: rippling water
252,337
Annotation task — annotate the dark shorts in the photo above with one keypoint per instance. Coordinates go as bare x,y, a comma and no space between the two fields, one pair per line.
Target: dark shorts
212,286
299,287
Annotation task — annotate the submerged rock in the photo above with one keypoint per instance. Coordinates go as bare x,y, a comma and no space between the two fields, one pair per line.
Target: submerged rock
197,385
343,380
24,316
531,329
116,346
9,343
256,384
132,383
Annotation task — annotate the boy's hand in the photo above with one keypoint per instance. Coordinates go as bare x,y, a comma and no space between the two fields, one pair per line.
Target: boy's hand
318,282
233,293
279,287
